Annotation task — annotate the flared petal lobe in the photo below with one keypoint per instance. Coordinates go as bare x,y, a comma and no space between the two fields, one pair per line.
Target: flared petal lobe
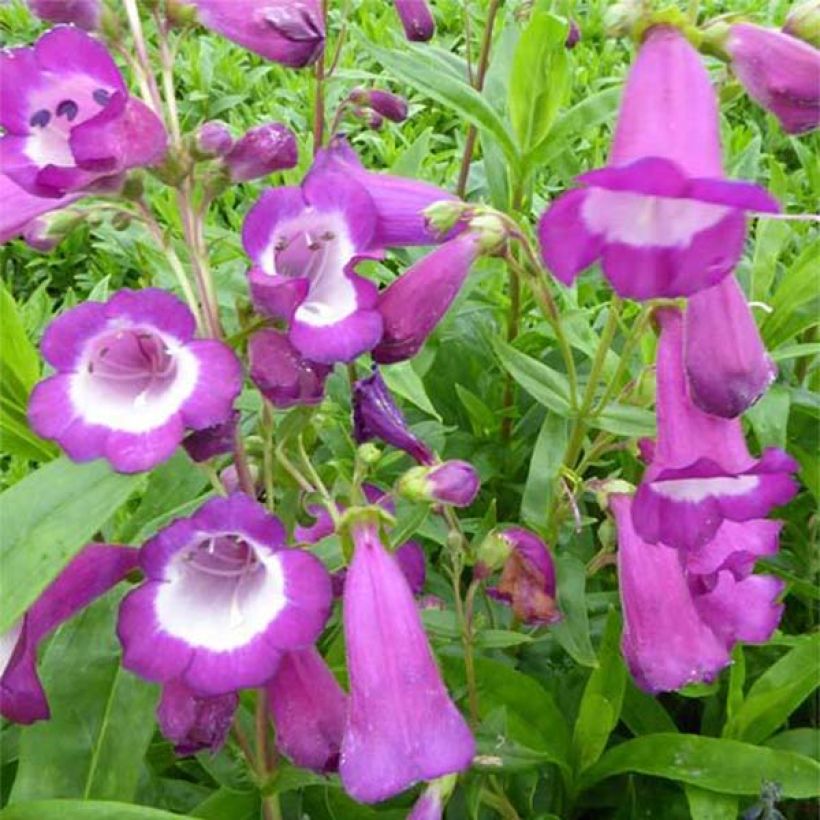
402,726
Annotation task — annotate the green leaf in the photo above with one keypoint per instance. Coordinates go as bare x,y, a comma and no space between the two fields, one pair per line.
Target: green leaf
770,416
226,802
777,693
625,420
706,805
102,717
643,714
83,810
545,385
402,379
547,456
19,364
16,437
802,741
419,69
540,78
719,765
573,631
500,639
48,517
482,419
600,707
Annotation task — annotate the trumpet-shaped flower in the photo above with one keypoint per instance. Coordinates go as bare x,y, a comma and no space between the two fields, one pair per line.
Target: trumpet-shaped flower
402,726
68,117
661,217
130,379
701,471
222,600
88,575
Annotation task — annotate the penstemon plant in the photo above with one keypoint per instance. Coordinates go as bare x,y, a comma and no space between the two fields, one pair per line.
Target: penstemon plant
358,497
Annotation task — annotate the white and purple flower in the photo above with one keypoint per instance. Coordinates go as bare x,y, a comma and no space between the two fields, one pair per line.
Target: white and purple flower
661,217
130,379
68,117
223,600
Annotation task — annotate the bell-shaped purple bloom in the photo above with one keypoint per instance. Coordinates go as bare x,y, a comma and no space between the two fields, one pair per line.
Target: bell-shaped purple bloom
376,416
383,103
402,726
415,303
68,118
727,367
88,575
130,379
680,627
213,139
223,599
309,709
701,472
261,151
416,18
193,722
452,482
82,13
779,72
304,243
213,441
291,32
527,582
661,217
21,209
282,374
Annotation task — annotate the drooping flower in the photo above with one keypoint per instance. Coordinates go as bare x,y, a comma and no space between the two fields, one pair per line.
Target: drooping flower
727,367
261,151
308,708
212,441
779,72
453,482
82,13
68,117
282,374
412,305
701,471
222,601
527,582
417,19
90,574
193,722
291,32
402,726
376,416
680,627
661,217
130,379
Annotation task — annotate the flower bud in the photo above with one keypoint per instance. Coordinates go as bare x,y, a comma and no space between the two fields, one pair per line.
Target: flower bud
573,35
442,216
417,19
212,441
621,17
803,21
491,230
383,102
213,139
45,232
261,151
452,482
82,13
492,553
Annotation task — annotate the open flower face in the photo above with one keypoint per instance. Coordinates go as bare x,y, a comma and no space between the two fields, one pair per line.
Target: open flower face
68,118
130,379
660,217
222,600
304,243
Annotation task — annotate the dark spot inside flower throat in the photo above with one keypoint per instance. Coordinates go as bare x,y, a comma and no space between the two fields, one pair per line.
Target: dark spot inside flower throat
68,109
101,96
40,118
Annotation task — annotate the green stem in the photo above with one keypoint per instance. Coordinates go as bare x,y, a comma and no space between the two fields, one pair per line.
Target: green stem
319,101
267,451
147,78
327,498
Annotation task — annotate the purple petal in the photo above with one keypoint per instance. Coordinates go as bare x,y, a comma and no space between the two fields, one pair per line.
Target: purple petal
192,722
262,151
20,207
217,440
735,547
211,401
410,558
416,18
275,206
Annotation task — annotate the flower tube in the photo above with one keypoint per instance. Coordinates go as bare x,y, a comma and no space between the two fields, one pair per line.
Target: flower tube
402,726
130,379
416,18
222,600
68,117
661,217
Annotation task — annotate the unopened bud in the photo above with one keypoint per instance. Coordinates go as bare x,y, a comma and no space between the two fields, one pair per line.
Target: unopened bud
491,554
212,139
45,232
452,482
621,17
491,230
803,21
573,35
388,105
442,216
261,151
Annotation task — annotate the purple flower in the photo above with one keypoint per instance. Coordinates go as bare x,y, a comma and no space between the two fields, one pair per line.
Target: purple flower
727,367
417,19
68,117
308,708
382,102
415,303
291,32
376,416
213,139
701,471
527,582
402,726
573,35
680,626
661,217
87,576
213,441
20,208
130,379
779,72
282,374
222,600
430,805
261,151
451,482
193,722
82,13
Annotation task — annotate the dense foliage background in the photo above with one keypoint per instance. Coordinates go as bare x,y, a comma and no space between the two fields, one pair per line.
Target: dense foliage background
563,731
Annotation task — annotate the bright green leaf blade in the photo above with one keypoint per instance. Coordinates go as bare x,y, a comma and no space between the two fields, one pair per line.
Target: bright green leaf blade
706,805
573,631
625,420
47,518
402,379
83,810
226,803
802,741
19,360
643,714
545,463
